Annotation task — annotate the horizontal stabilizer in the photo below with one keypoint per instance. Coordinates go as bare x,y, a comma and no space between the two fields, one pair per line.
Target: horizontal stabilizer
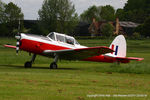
134,58
128,59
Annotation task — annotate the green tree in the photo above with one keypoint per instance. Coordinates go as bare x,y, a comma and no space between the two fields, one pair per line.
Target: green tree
137,10
120,14
13,14
3,26
135,4
2,9
107,29
58,15
90,13
107,13
144,28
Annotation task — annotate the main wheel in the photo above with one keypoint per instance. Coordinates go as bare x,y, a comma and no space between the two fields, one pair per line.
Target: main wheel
53,65
28,64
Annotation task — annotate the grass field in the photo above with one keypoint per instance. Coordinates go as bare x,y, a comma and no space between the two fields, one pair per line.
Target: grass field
75,80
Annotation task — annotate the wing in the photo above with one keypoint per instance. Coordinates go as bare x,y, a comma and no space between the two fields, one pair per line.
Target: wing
79,54
10,46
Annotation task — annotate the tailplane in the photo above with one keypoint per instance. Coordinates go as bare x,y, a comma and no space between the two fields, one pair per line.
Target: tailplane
120,48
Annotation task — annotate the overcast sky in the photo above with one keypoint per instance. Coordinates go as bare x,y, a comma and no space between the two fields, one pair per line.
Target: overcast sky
30,7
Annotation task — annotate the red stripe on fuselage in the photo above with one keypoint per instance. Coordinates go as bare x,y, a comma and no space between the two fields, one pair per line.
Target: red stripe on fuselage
38,47
112,47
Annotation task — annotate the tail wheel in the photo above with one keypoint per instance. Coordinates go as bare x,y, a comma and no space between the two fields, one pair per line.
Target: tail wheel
28,64
53,65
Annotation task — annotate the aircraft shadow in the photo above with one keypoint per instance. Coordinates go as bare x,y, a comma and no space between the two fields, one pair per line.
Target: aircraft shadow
36,67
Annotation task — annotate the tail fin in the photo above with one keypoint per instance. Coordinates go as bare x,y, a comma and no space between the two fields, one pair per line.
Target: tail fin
119,47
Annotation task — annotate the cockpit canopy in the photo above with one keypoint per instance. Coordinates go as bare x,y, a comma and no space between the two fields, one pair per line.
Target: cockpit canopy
62,38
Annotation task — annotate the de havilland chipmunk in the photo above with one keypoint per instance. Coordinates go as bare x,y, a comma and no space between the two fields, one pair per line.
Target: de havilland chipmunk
61,46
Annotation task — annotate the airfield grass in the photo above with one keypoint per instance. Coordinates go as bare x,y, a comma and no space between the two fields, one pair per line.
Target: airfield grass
75,80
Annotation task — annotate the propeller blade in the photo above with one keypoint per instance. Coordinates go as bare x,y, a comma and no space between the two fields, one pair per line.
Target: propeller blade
18,37
17,46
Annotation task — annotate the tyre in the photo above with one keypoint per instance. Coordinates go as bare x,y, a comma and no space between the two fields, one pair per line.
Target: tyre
28,64
53,65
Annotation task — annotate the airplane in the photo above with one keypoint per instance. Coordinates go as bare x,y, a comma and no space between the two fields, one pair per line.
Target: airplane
62,46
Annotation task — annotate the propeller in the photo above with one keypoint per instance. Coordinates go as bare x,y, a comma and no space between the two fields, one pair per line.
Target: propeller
18,37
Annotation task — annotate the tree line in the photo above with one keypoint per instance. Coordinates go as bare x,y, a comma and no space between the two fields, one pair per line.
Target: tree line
9,16
137,11
61,16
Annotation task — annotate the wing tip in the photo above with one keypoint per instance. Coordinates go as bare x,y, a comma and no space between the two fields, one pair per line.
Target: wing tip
10,46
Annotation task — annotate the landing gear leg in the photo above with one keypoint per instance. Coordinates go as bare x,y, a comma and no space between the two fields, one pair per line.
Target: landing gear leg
53,65
28,64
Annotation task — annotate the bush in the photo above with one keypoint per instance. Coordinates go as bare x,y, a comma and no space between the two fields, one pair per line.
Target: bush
144,28
107,29
136,35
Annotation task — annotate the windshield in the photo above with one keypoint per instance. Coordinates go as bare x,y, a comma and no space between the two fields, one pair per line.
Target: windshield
63,38
52,36
76,42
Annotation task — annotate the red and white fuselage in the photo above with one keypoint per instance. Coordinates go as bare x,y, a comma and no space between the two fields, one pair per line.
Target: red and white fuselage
58,42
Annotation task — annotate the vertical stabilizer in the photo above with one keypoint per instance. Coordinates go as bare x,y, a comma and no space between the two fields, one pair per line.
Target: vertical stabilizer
119,47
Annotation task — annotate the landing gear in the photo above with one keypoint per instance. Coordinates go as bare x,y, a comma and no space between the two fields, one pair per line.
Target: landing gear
53,65
28,64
